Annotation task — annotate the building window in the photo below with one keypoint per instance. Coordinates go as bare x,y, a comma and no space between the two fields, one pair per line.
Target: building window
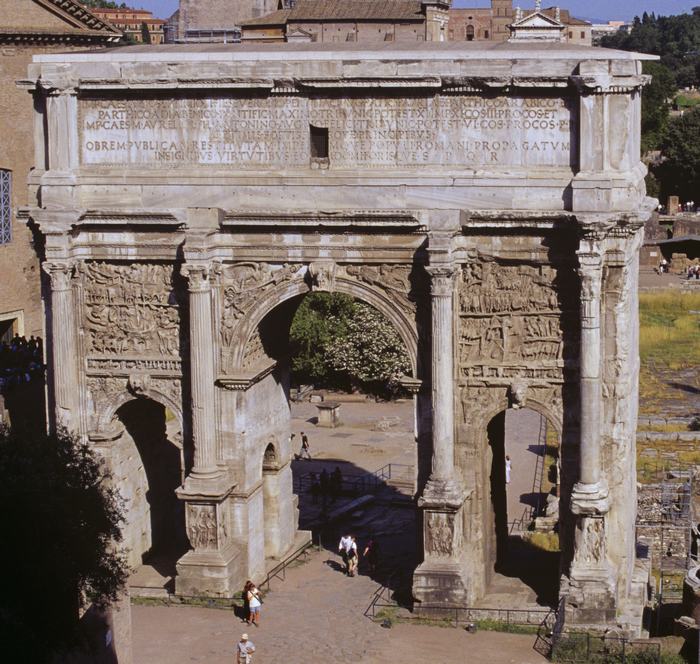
583,34
486,34
571,34
5,206
470,33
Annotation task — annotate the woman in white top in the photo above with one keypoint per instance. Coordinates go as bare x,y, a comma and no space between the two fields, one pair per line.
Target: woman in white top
254,602
509,469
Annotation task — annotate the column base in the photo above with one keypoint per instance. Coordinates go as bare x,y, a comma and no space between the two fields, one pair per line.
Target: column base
215,485
590,499
440,494
439,584
591,598
209,573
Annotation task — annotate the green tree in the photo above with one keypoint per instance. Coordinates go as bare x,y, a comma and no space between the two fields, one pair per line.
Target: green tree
60,523
320,318
655,104
370,351
679,172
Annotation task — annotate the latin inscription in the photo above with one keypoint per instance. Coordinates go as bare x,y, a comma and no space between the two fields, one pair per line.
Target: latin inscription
465,131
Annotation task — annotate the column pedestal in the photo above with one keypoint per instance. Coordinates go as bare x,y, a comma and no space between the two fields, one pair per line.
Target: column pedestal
214,564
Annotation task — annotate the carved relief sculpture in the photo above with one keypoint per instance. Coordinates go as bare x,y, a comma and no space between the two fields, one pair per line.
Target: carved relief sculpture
509,315
130,309
202,526
244,285
440,534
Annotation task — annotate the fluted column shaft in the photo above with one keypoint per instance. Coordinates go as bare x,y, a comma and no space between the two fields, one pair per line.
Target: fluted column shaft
441,291
590,271
63,344
202,370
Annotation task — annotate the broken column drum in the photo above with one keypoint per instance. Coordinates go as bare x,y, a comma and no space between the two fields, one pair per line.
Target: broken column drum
488,202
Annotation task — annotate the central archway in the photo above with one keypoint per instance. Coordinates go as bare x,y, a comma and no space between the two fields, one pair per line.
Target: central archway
263,415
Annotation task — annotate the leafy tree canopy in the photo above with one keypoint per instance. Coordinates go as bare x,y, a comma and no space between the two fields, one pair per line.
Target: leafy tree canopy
338,342
679,172
675,38
60,522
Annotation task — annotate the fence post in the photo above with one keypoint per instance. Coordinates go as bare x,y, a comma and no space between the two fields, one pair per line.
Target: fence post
588,646
624,653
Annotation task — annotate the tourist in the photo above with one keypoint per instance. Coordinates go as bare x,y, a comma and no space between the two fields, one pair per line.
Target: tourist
336,483
509,469
244,650
246,605
305,454
314,487
352,556
344,547
254,603
371,554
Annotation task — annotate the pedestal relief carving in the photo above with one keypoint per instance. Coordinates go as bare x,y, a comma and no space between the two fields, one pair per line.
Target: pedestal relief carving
442,539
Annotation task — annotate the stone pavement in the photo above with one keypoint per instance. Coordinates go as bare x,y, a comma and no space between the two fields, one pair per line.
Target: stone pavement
316,615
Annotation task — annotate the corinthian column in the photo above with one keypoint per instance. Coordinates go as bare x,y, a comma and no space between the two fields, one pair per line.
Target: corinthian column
590,493
442,486
202,372
63,345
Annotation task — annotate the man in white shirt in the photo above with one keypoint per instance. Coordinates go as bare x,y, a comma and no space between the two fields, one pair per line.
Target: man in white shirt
344,547
244,650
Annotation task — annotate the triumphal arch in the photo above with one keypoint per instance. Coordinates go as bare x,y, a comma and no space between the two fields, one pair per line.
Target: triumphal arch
488,200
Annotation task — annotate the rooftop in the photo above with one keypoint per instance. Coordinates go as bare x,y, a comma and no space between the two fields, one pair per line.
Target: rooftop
349,10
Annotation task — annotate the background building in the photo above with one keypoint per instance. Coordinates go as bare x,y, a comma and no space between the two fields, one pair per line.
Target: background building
29,27
137,25
401,20
351,21
218,20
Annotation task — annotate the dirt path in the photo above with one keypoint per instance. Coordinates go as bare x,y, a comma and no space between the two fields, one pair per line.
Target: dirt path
316,615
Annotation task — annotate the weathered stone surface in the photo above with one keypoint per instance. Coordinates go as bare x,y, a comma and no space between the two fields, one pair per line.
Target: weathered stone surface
489,202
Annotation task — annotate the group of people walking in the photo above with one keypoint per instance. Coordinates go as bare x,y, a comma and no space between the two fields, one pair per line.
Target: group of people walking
347,547
326,485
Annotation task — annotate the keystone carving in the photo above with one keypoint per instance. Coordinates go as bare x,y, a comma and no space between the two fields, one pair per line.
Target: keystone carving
322,275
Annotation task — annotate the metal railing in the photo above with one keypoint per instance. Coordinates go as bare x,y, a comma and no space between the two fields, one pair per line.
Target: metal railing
573,647
280,570
358,482
456,615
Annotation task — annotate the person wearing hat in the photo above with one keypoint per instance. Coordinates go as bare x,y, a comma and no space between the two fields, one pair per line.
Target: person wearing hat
244,650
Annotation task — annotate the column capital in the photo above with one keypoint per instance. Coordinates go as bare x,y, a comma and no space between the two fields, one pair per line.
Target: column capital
441,279
197,275
590,270
61,273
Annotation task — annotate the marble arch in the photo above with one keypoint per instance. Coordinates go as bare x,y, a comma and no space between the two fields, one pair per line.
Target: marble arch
403,319
179,200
